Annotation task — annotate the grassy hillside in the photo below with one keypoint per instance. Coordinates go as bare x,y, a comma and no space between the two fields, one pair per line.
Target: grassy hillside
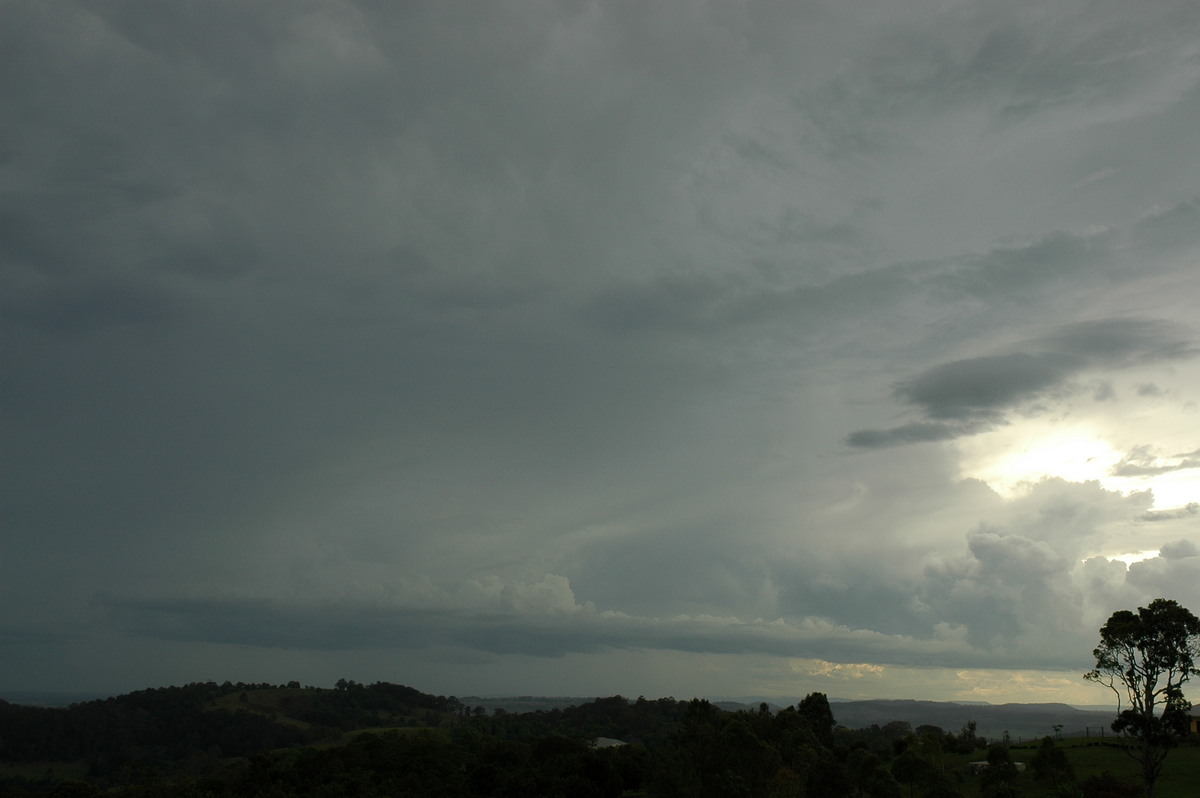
1091,757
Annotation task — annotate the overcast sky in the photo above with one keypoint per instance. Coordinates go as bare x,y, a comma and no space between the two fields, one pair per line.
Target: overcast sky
689,348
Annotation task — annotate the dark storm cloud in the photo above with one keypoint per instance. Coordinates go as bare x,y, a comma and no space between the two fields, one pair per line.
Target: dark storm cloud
1058,65
88,308
698,304
980,388
274,625
26,637
359,302
916,432
1171,228
968,396
1118,343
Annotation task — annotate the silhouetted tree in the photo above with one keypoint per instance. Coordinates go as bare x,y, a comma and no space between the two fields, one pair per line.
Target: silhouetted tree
997,779
911,768
814,708
1050,763
1145,658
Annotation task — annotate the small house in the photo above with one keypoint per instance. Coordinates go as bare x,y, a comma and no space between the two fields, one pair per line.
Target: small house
607,742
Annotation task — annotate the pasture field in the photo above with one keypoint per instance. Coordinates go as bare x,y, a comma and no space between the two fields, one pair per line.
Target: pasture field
1092,757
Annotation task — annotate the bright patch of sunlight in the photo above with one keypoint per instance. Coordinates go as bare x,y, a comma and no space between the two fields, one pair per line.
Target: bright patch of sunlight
1130,557
1171,489
1008,462
1011,458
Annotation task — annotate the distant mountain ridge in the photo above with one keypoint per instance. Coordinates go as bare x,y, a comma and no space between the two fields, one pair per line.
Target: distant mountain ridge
1021,721
45,698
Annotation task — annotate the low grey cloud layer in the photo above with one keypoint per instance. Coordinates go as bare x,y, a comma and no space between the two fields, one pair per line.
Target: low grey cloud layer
550,348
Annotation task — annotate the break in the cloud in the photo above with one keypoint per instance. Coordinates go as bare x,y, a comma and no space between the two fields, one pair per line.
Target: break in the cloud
570,347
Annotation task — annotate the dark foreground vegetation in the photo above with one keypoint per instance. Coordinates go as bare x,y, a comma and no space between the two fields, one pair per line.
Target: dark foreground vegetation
388,740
